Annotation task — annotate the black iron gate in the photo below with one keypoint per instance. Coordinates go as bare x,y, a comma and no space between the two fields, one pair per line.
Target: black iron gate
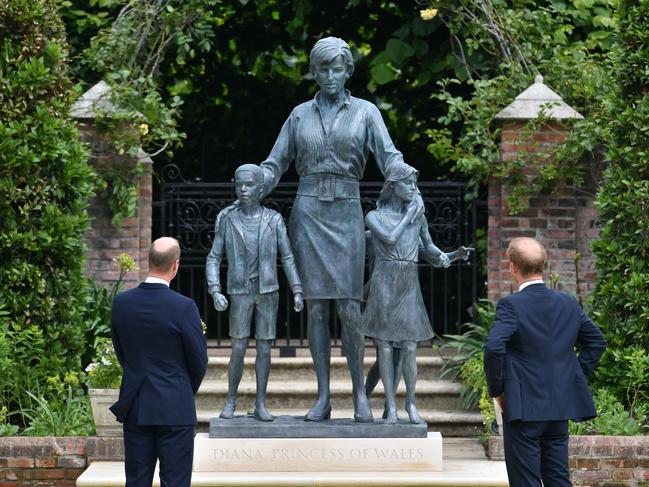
187,211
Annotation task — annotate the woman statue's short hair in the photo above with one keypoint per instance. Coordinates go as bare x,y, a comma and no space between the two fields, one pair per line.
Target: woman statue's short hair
326,49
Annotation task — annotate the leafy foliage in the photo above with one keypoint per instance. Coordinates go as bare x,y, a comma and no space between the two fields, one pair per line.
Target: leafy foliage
45,184
70,417
622,294
613,418
467,362
502,45
241,66
104,372
128,54
467,355
100,300
472,375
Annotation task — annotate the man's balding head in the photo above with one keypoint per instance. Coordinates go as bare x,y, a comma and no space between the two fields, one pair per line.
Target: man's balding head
162,254
528,255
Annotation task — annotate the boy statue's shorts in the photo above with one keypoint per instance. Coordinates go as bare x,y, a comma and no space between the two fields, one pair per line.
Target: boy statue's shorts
265,309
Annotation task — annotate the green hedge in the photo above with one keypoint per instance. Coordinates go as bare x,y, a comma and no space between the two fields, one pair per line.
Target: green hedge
621,301
45,185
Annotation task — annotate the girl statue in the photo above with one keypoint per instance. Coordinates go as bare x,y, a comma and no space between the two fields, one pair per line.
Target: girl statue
395,314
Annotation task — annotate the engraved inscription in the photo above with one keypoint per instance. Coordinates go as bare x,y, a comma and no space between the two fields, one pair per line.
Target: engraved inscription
237,454
394,454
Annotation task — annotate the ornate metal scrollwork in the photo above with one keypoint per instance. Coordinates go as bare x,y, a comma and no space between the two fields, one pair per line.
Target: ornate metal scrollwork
188,210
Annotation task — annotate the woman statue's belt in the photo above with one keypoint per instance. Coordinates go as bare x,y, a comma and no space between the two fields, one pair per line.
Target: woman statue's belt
411,261
328,187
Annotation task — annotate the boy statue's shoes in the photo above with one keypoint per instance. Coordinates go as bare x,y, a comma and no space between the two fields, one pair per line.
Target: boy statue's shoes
228,410
262,414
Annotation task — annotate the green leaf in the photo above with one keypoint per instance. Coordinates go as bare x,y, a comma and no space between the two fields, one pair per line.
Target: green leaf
423,28
399,51
602,21
382,74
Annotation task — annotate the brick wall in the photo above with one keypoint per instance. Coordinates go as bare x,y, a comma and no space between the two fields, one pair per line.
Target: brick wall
105,242
38,461
564,220
600,461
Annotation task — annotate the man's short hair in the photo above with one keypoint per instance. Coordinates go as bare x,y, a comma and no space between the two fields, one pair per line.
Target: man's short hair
161,260
253,168
528,254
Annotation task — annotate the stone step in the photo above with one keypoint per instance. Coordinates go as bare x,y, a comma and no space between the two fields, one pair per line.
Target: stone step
450,423
292,390
301,368
300,394
458,471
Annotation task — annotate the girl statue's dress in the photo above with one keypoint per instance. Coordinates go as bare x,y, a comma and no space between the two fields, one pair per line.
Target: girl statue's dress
395,309
395,314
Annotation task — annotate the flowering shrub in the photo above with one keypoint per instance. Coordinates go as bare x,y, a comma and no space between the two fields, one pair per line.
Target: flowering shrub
104,372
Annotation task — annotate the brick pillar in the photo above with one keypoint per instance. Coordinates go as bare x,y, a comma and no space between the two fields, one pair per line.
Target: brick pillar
104,241
144,215
564,219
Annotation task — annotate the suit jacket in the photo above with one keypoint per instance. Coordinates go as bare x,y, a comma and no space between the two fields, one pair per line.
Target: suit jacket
229,236
159,342
530,356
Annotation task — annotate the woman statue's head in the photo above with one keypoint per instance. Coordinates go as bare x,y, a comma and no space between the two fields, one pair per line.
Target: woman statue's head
400,181
331,64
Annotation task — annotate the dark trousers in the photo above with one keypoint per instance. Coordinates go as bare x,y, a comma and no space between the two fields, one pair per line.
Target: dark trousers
172,445
535,451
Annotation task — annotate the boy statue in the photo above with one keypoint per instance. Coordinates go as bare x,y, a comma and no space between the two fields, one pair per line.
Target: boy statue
251,236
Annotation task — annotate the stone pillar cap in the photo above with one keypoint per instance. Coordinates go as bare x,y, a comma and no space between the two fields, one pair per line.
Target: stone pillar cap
536,100
93,102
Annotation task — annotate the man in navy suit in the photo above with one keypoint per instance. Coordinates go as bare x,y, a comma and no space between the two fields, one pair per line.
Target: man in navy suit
534,373
159,342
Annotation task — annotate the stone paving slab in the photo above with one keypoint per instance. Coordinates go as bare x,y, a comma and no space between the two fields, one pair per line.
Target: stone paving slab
465,464
457,472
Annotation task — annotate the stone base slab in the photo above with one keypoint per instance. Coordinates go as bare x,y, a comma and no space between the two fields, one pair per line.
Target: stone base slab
297,427
318,454
457,472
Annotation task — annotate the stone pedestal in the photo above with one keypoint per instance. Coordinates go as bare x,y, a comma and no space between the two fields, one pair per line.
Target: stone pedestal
318,454
296,427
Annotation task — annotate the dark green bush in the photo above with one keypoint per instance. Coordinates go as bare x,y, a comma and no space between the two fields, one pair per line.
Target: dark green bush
612,418
466,348
621,301
45,184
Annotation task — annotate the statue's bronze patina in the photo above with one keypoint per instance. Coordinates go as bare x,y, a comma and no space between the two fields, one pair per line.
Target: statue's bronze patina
328,140
251,236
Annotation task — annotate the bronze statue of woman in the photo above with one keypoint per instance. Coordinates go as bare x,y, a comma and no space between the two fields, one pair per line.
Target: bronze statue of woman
329,139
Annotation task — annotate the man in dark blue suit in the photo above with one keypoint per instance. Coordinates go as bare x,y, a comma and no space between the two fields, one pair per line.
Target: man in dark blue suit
159,342
534,373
